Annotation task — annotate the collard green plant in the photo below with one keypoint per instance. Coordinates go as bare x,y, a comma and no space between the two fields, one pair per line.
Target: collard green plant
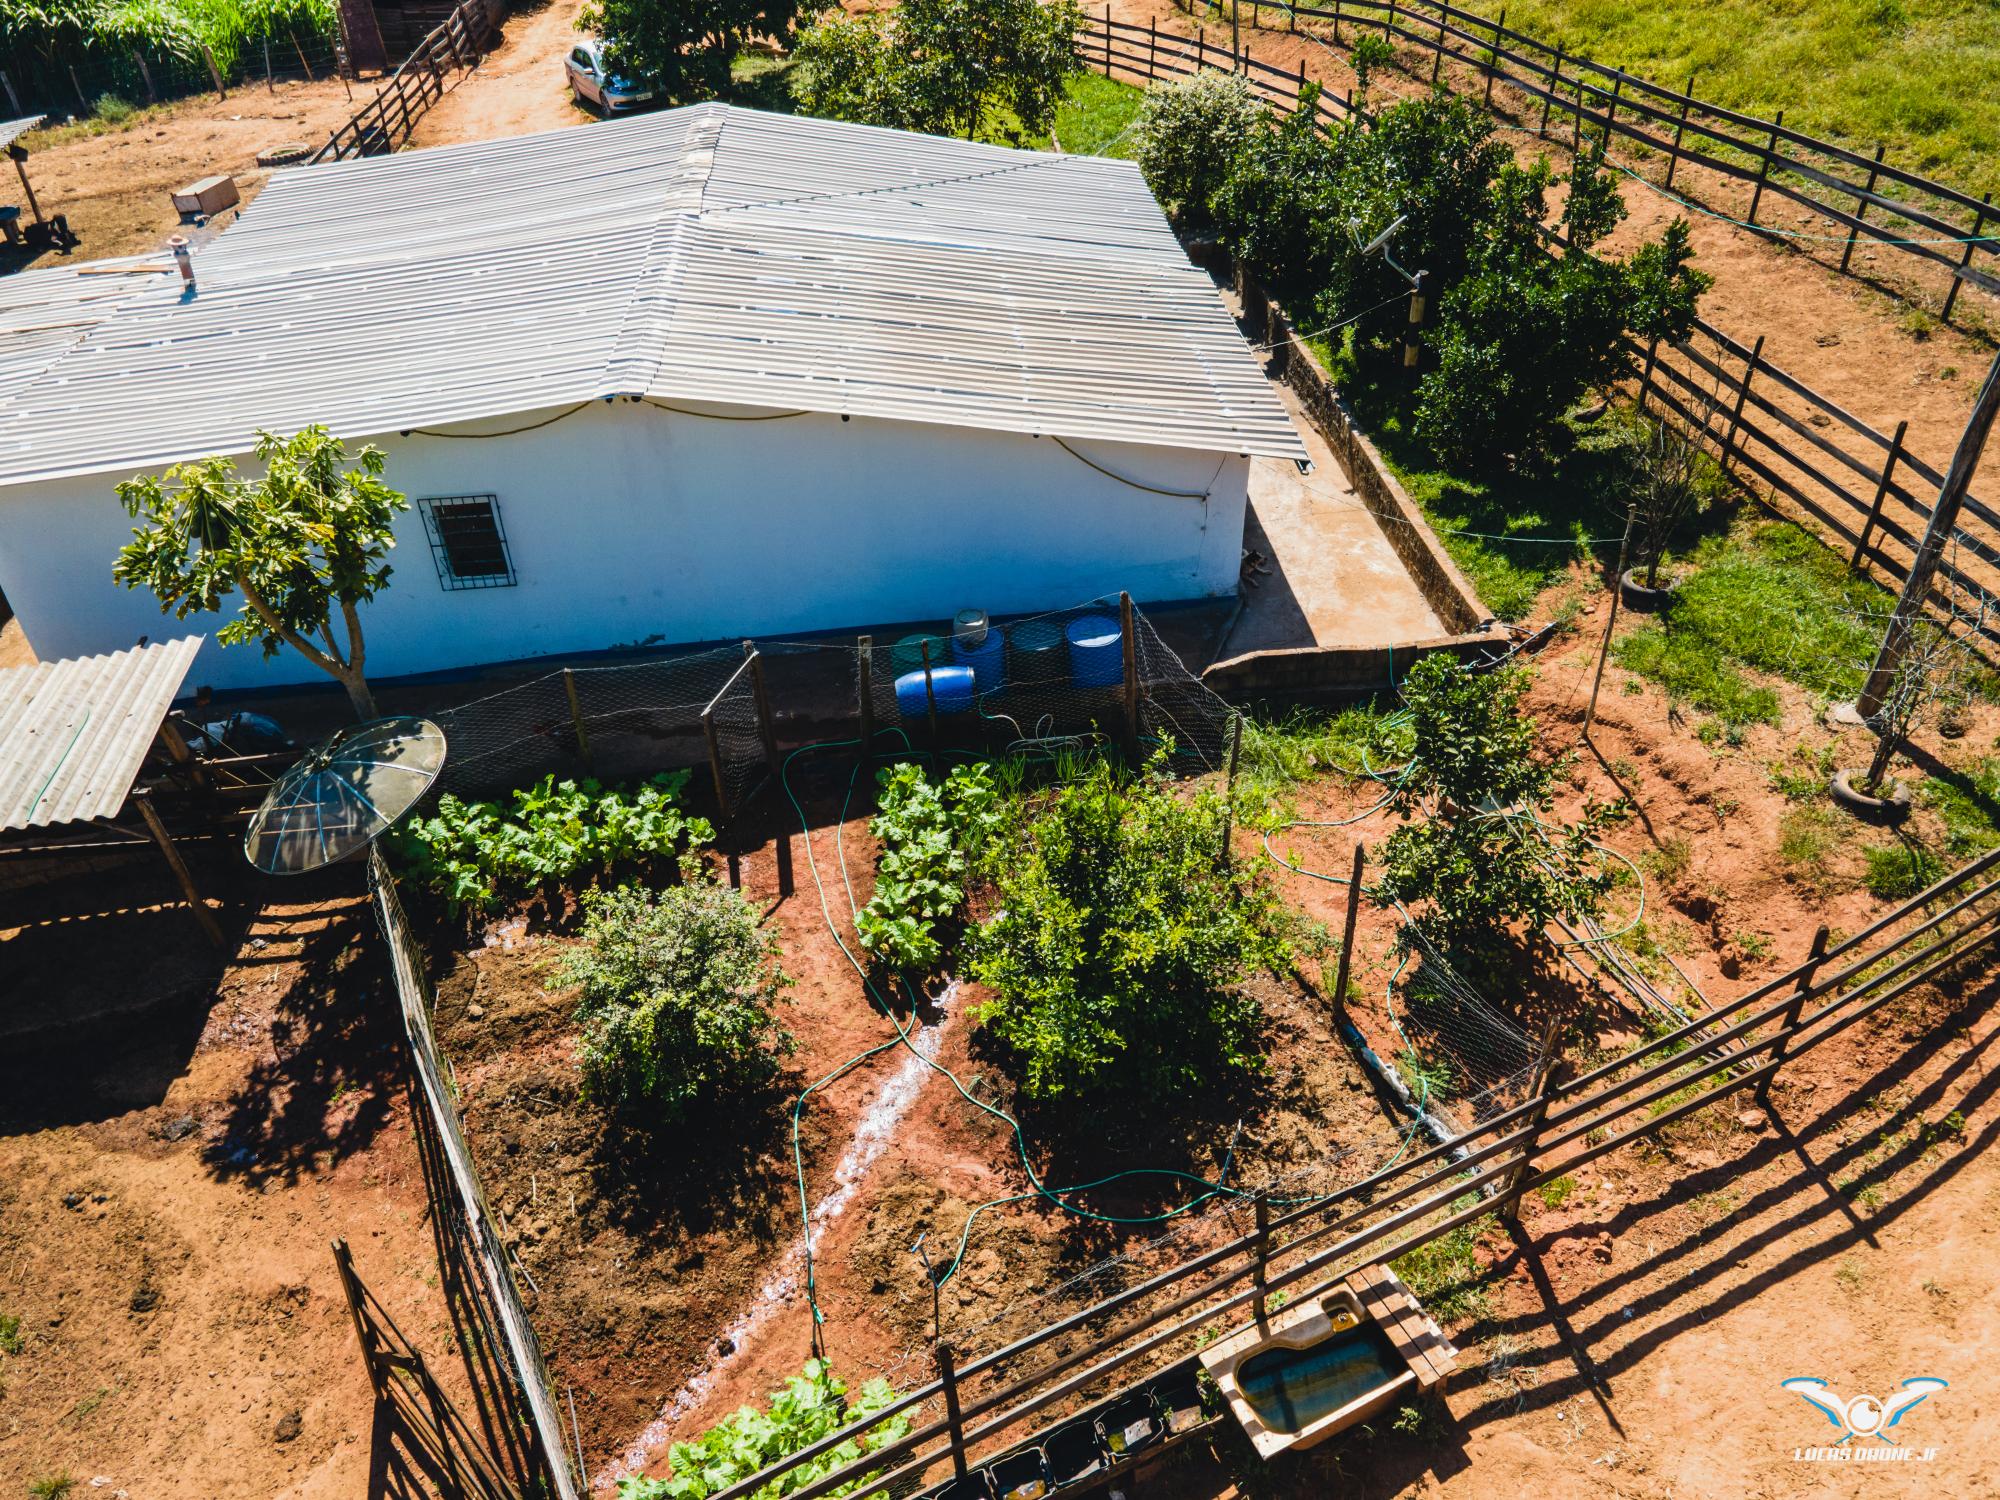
813,1404
1481,848
929,832
1120,941
474,854
302,544
972,68
675,991
1190,132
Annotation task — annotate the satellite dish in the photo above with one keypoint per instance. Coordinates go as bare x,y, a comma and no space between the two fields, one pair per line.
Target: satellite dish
342,794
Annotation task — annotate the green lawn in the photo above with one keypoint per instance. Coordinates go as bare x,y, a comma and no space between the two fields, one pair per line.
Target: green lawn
1921,76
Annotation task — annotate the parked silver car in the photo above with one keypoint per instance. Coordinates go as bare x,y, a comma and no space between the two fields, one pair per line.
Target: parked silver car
593,82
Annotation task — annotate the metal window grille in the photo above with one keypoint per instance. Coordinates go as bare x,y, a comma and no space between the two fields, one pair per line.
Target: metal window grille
468,543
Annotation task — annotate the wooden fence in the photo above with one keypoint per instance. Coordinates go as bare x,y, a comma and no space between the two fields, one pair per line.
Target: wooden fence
1937,936
1864,489
385,123
1930,221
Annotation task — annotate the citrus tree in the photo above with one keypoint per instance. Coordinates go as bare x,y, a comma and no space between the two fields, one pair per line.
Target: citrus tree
683,47
297,546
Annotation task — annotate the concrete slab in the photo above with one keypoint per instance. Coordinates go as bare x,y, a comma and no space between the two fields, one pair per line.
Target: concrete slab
1333,580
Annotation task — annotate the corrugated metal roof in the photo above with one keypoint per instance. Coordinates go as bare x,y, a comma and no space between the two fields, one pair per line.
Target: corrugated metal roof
12,130
74,733
706,253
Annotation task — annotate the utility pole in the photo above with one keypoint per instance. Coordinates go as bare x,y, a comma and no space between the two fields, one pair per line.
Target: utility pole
1930,551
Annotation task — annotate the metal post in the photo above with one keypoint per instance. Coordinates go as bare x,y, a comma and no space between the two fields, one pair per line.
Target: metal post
1861,207
1610,624
1130,648
930,691
1881,493
576,721
1957,281
142,799
768,732
1930,551
948,1378
1260,1273
1346,965
864,665
1229,784
1790,1023
1764,168
1680,129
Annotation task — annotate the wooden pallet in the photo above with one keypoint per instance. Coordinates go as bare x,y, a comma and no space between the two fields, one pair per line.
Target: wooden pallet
1413,1331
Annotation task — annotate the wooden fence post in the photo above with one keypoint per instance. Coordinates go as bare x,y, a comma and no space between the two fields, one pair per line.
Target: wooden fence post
930,692
1764,168
768,732
1346,964
1742,395
1611,105
1549,92
948,1378
576,721
1389,24
1957,281
1790,1023
864,668
146,73
1510,1206
1129,648
1437,61
1261,1273
143,800
214,72
1152,49
1855,562
1493,55
1336,24
1646,376
350,1285
1861,207
77,83
1680,129
1107,38
13,99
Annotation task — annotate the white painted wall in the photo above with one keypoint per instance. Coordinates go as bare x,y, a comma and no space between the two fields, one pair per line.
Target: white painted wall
626,522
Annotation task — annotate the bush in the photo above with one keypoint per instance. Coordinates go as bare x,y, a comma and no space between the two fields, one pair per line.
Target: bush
812,1404
1120,939
1189,134
1480,848
929,833
675,992
112,110
473,853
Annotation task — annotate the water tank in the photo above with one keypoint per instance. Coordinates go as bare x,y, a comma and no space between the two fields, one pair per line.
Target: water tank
987,656
1037,652
907,655
952,687
1096,652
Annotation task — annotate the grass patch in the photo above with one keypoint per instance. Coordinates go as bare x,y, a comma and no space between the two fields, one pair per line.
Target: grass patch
52,1486
1968,801
1808,839
10,1334
1770,598
1921,76
1445,1274
1556,1191
1093,120
1281,753
760,82
1897,872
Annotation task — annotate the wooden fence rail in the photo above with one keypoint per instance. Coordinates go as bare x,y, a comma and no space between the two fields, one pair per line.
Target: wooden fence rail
1942,931
1866,491
386,122
1930,221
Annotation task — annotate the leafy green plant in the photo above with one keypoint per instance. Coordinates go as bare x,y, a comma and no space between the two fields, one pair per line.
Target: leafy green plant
1897,872
1480,847
1557,1190
1190,131
52,1486
813,1404
10,1334
944,67
1120,939
675,991
475,853
929,833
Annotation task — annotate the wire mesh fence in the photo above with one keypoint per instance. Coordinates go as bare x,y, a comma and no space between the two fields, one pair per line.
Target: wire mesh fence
88,81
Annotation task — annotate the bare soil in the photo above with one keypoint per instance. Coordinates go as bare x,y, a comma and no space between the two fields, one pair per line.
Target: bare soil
170,1179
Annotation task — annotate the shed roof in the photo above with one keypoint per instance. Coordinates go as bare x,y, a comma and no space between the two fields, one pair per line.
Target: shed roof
12,130
707,253
74,733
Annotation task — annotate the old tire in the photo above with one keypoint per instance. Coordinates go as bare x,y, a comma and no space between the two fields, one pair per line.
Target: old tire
285,154
1892,808
1644,600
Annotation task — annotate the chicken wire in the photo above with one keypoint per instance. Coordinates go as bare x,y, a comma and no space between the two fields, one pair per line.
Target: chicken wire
1472,1061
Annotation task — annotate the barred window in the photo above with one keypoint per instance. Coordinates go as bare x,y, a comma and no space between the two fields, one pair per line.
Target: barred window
467,541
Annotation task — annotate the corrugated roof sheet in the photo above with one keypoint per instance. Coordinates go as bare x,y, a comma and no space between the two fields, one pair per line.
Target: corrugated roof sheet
12,130
706,253
74,733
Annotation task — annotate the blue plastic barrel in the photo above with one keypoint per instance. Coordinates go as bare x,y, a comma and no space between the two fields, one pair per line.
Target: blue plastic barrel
1036,652
1096,652
952,687
988,659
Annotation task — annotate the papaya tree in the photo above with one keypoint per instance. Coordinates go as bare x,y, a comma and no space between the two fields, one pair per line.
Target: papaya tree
298,545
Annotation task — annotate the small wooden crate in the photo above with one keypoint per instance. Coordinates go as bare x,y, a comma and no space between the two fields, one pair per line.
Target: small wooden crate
1412,1330
208,197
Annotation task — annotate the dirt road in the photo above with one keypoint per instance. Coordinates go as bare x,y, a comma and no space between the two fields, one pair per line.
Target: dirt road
519,87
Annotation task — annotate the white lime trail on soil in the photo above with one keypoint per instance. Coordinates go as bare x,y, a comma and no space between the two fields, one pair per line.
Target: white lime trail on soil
872,1136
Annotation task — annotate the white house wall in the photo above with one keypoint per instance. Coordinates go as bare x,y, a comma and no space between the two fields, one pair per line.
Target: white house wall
628,523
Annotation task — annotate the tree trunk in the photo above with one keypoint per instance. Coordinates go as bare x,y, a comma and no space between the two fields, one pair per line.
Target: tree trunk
1878,768
358,695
